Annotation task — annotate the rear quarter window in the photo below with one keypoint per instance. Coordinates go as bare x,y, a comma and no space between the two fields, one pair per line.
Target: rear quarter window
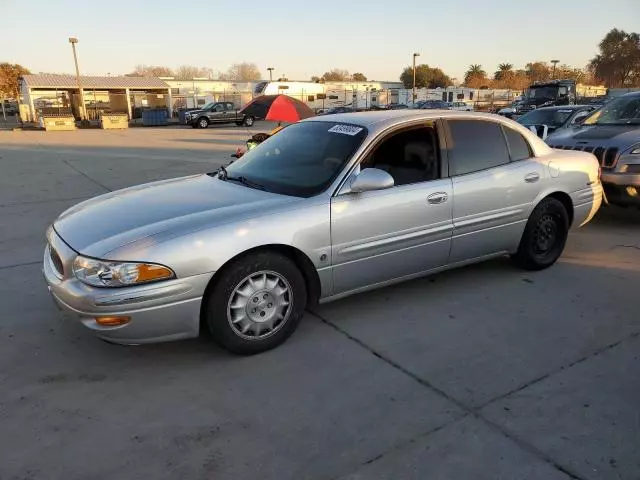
518,146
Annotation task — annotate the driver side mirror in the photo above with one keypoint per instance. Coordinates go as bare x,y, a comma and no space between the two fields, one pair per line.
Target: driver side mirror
371,179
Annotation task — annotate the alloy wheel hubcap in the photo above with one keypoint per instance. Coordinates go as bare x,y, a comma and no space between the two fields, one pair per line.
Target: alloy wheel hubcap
259,305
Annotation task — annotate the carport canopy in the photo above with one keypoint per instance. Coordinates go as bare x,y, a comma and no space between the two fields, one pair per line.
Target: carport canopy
32,84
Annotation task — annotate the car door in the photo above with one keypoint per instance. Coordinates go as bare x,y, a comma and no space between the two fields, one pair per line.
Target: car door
495,180
217,113
230,112
382,235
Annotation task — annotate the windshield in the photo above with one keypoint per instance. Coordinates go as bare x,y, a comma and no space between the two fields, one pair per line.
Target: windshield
553,118
542,92
621,111
300,160
207,106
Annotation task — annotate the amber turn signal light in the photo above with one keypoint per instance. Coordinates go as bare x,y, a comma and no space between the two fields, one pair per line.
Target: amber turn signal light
149,272
112,321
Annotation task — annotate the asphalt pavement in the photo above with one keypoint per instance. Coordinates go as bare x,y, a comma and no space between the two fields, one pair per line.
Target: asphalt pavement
485,372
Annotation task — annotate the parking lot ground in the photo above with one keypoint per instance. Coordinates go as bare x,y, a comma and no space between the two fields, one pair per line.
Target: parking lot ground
485,372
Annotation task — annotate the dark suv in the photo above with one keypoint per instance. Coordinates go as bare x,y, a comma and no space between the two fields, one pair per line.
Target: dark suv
612,134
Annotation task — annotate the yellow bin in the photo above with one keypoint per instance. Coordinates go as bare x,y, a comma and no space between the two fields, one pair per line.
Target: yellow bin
66,122
114,120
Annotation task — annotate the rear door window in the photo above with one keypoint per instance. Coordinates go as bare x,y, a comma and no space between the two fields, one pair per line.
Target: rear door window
475,145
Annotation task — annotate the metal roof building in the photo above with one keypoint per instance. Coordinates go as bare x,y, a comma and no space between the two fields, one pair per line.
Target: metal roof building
94,96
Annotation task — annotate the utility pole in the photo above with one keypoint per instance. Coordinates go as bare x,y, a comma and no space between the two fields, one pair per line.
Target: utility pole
553,74
83,115
413,97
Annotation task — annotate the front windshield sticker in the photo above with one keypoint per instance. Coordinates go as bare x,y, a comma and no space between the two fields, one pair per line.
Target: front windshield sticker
345,129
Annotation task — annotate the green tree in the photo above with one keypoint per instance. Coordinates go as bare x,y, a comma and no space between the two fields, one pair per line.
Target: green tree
315,78
336,75
358,77
426,77
538,71
10,79
618,63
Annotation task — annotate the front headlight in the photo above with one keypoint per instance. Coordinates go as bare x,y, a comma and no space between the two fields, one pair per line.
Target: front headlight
102,273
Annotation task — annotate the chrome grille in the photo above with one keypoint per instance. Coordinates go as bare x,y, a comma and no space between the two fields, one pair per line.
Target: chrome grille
610,157
606,156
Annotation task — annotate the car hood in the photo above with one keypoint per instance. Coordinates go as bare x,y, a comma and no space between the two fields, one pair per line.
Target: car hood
195,112
161,210
619,136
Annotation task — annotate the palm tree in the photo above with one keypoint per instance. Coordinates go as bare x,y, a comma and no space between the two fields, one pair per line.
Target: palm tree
503,69
475,71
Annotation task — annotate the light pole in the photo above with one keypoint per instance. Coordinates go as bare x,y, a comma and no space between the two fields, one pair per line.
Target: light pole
413,98
553,74
271,69
73,41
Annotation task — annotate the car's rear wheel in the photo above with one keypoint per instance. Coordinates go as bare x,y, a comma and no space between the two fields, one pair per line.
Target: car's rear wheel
203,122
256,304
249,121
544,236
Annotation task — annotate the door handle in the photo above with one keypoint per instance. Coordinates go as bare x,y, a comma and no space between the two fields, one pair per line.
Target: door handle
532,177
438,197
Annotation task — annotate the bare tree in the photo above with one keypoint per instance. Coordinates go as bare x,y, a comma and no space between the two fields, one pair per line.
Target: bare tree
242,72
187,72
336,75
151,71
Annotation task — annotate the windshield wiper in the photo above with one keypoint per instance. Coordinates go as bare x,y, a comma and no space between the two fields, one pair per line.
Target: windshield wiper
245,181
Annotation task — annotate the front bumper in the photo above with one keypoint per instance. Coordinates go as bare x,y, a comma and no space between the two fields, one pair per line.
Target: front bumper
161,311
622,188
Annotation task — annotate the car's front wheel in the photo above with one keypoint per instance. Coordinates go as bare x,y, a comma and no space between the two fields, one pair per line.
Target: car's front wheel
544,236
249,121
256,304
203,122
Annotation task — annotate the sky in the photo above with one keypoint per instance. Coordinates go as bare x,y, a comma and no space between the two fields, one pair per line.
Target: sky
302,38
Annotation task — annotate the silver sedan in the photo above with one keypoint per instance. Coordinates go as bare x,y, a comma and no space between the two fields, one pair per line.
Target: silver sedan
326,208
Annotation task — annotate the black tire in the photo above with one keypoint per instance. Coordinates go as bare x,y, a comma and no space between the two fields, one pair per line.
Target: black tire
194,125
248,121
218,303
239,124
544,237
203,122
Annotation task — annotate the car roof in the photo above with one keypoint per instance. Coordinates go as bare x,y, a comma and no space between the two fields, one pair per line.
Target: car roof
377,121
382,118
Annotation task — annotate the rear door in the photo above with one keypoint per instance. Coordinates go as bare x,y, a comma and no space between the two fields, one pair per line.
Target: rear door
230,114
495,180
